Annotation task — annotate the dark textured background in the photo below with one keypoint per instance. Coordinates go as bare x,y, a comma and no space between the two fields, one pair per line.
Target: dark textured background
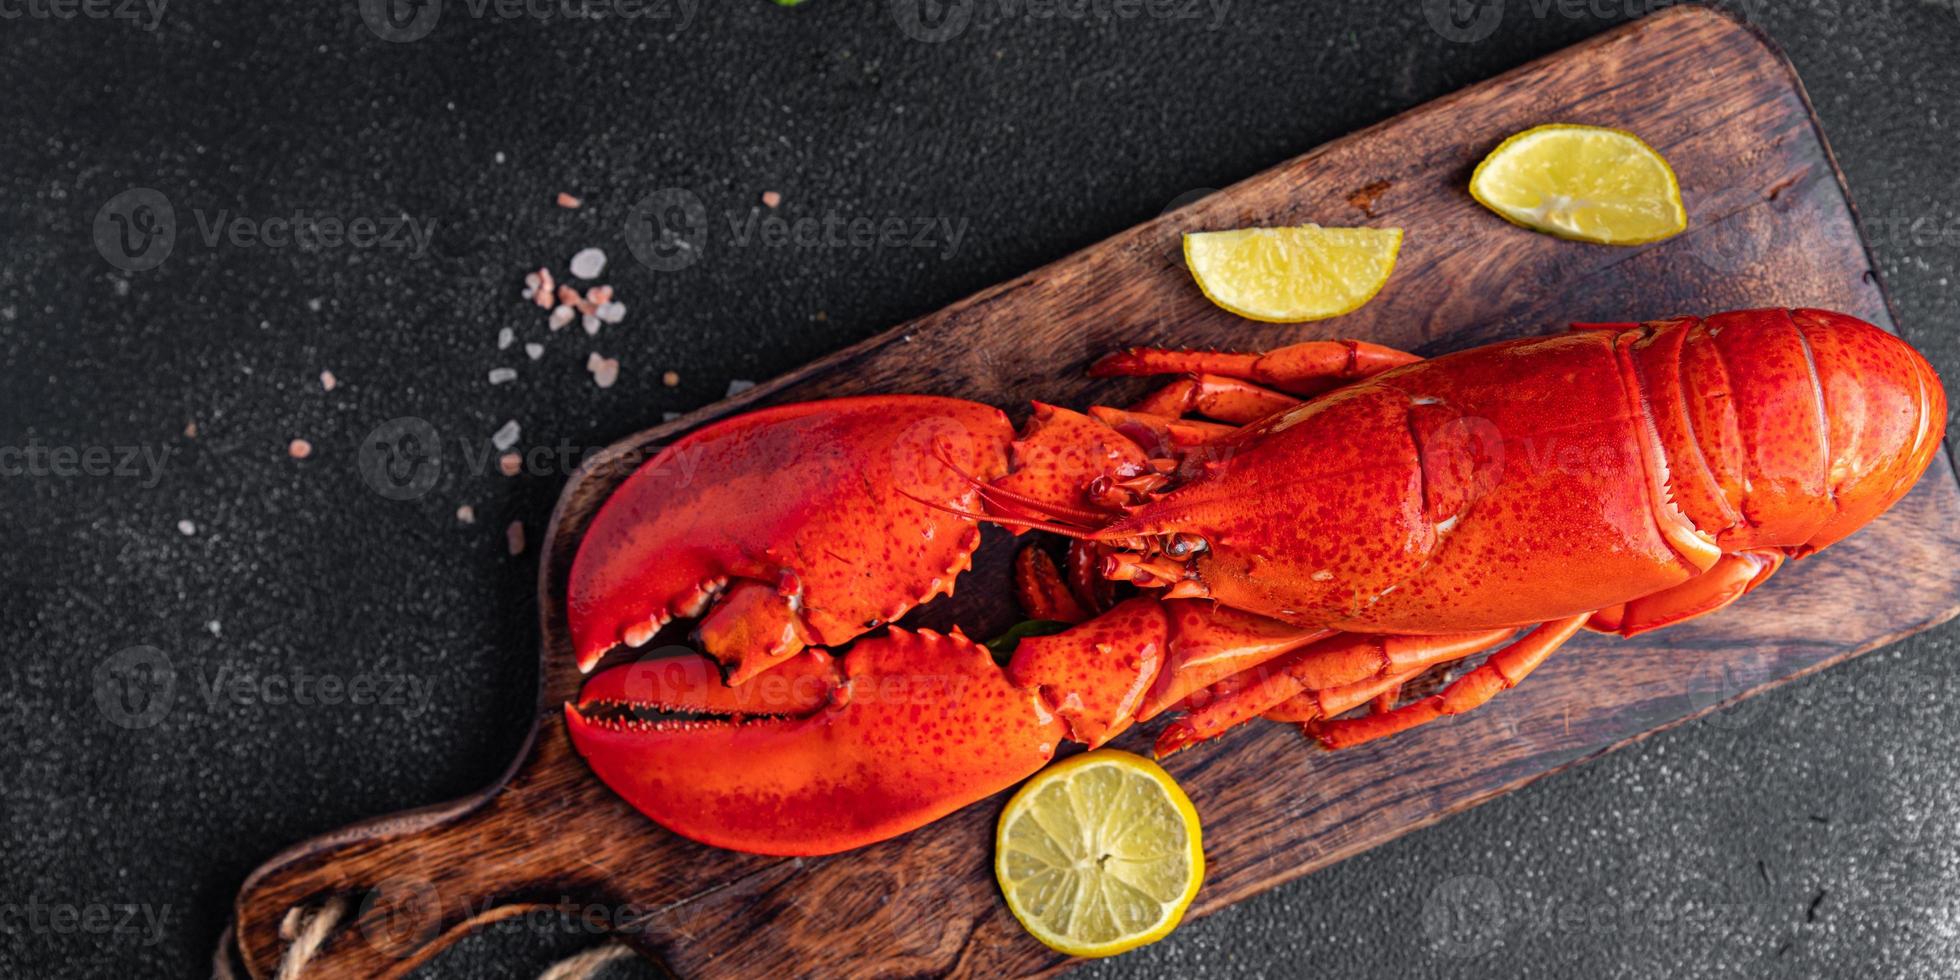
1809,832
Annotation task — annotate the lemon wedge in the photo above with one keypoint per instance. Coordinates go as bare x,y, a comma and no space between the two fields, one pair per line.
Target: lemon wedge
1292,275
1099,854
1586,183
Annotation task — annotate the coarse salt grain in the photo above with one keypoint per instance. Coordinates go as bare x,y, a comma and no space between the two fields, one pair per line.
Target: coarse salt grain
561,316
514,537
547,289
612,312
299,449
599,295
506,436
568,201
605,370
500,375
671,379
466,514
588,263
534,351
186,528
590,322
770,199
738,386
510,464
190,430
505,338
328,381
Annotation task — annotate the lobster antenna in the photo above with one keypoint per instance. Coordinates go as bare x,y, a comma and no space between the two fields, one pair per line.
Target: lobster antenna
1057,512
1065,530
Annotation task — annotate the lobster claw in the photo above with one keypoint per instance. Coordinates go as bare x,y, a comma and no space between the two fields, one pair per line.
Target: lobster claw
794,526
909,728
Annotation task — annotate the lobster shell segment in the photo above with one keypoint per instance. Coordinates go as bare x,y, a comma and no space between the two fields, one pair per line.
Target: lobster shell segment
915,726
802,524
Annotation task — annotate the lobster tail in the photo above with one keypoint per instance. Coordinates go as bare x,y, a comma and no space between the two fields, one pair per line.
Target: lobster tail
1787,429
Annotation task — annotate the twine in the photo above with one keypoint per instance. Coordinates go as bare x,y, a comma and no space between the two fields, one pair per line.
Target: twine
307,931
586,965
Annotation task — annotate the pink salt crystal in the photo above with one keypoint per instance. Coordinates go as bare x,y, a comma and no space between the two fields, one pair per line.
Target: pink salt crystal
299,449
605,370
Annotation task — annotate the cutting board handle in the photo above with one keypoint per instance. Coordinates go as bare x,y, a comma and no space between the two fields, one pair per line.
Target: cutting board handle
384,896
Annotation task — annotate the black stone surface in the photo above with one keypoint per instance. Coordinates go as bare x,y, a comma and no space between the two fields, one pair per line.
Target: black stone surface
1811,832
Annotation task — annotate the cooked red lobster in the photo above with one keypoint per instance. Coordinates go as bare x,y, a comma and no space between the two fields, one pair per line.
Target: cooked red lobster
1349,518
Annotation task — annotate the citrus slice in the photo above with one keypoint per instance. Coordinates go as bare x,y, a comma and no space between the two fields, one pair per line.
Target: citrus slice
1586,183
1292,275
1099,854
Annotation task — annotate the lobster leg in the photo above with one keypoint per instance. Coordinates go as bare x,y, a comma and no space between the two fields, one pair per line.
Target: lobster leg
1215,396
1729,579
1332,675
1043,594
1501,672
1302,370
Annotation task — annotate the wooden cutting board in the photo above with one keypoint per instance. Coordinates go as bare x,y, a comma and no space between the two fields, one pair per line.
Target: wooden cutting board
1770,226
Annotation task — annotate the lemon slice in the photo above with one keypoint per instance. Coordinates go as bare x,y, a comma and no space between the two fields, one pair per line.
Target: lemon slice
1586,183
1099,854
1292,275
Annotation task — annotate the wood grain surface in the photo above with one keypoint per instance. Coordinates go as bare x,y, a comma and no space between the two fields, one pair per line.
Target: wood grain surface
1770,225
